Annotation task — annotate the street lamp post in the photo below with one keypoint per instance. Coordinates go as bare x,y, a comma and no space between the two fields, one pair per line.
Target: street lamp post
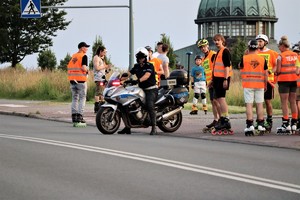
188,74
131,39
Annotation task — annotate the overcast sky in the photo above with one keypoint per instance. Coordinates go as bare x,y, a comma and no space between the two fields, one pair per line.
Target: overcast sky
151,18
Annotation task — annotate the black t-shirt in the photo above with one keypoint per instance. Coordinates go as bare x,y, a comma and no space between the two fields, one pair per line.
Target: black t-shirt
141,71
226,57
84,60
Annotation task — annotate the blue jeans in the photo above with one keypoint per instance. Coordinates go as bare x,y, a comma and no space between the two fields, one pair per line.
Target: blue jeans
79,91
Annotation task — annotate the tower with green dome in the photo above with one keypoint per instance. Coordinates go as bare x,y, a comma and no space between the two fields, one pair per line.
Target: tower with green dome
233,19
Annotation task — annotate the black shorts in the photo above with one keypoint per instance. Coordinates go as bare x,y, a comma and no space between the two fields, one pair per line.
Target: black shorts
211,93
287,87
269,93
219,91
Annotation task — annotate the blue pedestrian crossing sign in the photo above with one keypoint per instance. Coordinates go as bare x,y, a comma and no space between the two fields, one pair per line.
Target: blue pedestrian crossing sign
30,8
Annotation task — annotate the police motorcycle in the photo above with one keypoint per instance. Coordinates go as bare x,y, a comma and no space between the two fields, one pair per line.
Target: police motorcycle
126,101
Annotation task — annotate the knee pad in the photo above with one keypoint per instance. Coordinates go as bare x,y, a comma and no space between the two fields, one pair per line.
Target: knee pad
203,96
196,95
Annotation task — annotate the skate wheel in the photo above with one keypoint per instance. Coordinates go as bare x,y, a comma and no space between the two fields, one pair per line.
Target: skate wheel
220,132
214,132
225,132
231,132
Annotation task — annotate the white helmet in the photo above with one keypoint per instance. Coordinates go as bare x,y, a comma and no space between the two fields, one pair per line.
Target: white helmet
142,51
262,37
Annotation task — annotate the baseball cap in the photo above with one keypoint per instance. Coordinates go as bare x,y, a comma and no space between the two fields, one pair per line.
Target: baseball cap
82,44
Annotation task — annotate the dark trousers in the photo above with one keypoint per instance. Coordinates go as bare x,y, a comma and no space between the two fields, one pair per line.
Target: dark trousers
151,96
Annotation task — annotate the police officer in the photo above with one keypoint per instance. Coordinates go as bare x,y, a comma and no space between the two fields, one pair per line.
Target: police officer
145,73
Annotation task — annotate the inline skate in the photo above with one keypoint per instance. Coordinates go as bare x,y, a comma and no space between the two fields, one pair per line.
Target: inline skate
294,126
194,110
209,127
223,127
285,128
260,129
204,108
78,120
249,130
268,125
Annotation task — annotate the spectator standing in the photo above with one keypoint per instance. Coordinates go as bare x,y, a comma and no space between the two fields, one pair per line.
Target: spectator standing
157,63
99,68
165,60
77,75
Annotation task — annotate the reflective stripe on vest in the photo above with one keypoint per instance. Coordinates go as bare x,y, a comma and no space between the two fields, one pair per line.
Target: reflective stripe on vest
208,65
219,68
288,66
253,73
74,68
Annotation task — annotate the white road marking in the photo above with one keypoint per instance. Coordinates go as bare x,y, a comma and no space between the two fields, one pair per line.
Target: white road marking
13,105
170,163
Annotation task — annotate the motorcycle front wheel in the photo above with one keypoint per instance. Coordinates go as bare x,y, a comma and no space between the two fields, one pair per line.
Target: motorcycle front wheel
172,124
108,121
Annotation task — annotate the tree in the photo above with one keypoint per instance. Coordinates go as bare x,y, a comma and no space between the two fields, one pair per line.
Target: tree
98,42
64,62
47,60
172,57
238,49
21,37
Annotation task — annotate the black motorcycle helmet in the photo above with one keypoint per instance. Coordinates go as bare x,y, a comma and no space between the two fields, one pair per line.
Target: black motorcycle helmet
253,44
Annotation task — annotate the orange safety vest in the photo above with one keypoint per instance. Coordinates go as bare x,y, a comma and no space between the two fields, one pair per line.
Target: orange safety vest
219,68
253,73
208,66
271,57
288,66
156,63
75,72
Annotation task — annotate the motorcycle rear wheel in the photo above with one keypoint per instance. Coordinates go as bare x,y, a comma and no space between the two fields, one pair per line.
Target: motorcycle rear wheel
172,124
107,124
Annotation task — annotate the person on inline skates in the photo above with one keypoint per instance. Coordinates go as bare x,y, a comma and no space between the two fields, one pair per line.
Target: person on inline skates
270,56
198,81
207,64
77,75
254,75
222,71
296,49
287,84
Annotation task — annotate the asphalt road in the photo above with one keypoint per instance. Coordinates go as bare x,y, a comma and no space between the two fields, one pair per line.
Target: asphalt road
42,159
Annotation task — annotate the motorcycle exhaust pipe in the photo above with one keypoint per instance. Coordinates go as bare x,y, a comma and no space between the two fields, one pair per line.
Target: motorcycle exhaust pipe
170,114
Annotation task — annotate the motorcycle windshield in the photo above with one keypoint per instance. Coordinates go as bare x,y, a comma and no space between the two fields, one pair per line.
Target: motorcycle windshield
114,80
